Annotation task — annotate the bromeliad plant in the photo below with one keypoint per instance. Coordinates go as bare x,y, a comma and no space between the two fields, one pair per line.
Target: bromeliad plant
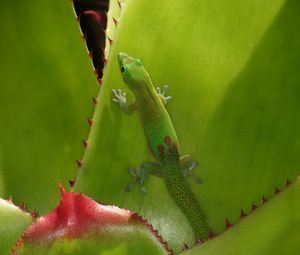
232,70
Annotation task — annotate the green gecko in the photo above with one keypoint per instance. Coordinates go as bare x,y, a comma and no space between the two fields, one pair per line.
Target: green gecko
162,141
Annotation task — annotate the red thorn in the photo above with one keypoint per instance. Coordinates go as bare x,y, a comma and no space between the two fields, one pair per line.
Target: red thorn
120,5
110,40
85,143
211,235
199,242
61,187
253,207
72,182
90,54
105,61
277,190
185,247
116,21
34,214
100,81
17,245
243,214
228,224
264,200
94,100
90,121
137,218
287,182
10,200
23,207
84,37
79,162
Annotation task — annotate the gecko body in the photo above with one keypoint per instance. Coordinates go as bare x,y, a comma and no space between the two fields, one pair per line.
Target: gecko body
162,140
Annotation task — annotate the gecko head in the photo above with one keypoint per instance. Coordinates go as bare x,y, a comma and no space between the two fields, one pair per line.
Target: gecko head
133,72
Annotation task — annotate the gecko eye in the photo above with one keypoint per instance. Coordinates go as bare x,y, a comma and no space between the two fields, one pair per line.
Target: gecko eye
123,69
138,62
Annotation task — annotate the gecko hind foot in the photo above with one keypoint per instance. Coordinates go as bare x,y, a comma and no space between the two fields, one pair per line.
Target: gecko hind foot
137,178
188,171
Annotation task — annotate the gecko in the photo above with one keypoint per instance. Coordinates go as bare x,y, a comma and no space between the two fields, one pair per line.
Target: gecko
162,142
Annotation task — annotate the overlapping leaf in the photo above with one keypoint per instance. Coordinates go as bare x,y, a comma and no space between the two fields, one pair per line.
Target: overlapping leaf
46,91
231,69
13,222
79,223
271,229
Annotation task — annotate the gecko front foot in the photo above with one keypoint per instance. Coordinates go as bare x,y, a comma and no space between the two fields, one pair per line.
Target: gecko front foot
137,179
119,97
162,94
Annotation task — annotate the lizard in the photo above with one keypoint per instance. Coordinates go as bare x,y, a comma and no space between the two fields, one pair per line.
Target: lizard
162,142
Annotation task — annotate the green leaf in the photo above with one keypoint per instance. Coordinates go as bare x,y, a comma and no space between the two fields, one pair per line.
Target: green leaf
13,222
232,69
232,72
46,97
47,84
106,247
271,229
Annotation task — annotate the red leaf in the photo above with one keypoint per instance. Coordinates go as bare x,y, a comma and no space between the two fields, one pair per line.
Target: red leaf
78,216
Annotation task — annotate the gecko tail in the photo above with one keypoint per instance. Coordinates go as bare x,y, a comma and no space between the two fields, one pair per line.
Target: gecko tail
181,192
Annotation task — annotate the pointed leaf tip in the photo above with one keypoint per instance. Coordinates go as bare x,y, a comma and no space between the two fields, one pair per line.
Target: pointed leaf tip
100,81
10,200
34,214
211,235
185,247
110,40
79,163
23,207
199,242
242,214
116,21
94,100
85,143
79,217
62,190
90,121
264,200
120,4
228,224
72,182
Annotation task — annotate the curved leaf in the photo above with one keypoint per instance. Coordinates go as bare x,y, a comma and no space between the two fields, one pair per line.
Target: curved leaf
47,84
96,226
142,244
231,69
271,229
13,222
